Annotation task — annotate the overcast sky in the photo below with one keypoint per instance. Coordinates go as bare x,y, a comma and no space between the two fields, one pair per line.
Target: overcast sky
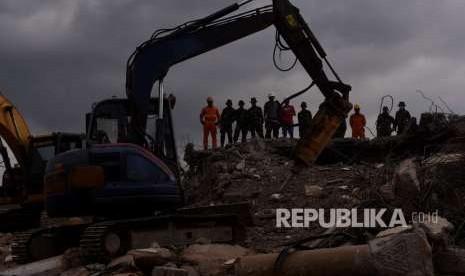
57,57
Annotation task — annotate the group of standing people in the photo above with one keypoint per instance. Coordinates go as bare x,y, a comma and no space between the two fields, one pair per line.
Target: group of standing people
385,124
274,116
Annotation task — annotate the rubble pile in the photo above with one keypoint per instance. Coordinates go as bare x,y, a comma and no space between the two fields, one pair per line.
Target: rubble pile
259,172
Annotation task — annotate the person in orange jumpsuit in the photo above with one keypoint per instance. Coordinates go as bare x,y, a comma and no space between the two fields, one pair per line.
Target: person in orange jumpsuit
209,117
357,123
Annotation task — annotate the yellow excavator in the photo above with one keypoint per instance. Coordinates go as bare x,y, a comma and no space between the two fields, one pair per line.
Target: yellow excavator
24,159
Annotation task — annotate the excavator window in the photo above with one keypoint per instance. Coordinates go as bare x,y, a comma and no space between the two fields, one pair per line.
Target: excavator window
139,169
107,130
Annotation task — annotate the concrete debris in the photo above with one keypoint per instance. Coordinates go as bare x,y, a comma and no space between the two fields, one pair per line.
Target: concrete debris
71,258
313,191
408,184
406,175
126,260
276,197
78,271
203,240
436,227
387,191
241,165
151,257
209,259
394,231
168,271
191,271
50,266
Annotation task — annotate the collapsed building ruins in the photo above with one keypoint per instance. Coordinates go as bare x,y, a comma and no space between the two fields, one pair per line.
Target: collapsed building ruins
428,178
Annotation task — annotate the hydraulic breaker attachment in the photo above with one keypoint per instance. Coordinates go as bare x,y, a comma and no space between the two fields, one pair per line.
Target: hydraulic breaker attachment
332,111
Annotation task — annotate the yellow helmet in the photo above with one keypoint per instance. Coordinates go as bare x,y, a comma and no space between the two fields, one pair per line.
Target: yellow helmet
356,106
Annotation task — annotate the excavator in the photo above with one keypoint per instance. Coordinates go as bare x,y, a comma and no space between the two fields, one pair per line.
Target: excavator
21,192
128,177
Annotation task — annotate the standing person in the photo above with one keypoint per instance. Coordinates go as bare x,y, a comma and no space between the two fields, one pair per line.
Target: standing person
287,114
226,121
271,113
357,123
241,122
209,117
385,123
402,119
256,119
304,117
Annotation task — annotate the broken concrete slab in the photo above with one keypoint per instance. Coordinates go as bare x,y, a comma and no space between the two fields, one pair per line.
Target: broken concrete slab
313,191
210,258
394,231
405,178
46,267
150,257
437,228
126,260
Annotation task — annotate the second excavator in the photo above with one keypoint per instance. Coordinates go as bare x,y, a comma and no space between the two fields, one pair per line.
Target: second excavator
24,157
129,175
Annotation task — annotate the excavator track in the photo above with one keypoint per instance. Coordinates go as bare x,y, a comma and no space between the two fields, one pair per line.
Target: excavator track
40,243
101,241
106,240
20,246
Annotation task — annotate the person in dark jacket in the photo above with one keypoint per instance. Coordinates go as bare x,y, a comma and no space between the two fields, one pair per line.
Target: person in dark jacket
226,121
402,119
385,123
255,119
241,122
305,117
271,114
341,129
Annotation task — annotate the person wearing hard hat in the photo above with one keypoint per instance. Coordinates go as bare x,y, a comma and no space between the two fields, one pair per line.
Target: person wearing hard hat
271,114
209,118
226,122
241,118
357,123
385,123
255,116
402,119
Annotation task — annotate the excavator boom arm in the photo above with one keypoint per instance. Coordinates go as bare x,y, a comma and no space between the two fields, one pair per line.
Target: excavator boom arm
152,60
14,130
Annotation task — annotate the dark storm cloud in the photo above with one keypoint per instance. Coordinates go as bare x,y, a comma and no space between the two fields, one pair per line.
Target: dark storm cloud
58,57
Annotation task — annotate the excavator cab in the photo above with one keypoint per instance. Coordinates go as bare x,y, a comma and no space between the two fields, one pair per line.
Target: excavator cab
112,122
